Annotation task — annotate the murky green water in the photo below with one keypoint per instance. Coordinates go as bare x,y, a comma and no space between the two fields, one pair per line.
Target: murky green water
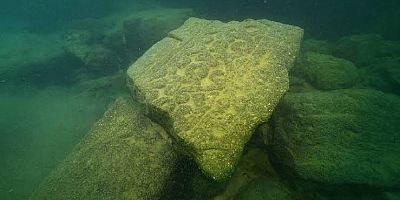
335,134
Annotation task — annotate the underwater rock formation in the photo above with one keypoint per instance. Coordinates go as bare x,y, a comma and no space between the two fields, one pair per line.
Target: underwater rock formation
326,72
96,57
392,195
383,74
143,29
345,136
376,58
318,46
211,83
123,157
362,50
24,54
266,189
110,43
253,164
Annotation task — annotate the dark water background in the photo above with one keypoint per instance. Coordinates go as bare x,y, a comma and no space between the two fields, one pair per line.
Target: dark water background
45,109
322,19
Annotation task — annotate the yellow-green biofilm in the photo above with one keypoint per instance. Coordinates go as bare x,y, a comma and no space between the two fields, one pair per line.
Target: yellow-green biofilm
123,157
211,83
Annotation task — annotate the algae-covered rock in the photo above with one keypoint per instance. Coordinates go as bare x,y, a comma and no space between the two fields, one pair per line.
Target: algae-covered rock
101,59
393,70
253,164
392,195
346,136
362,50
265,189
383,74
318,46
123,157
109,43
210,83
326,72
143,29
96,57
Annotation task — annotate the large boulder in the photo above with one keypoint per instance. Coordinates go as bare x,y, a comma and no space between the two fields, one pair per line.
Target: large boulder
107,44
95,57
136,31
144,28
392,195
123,157
253,164
362,50
377,61
211,83
383,74
326,72
318,46
266,189
348,136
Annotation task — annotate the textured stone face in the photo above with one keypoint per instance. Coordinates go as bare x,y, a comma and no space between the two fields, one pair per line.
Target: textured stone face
211,83
123,157
345,136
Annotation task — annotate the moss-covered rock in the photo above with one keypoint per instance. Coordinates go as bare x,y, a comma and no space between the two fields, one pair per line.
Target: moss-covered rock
265,189
326,72
346,136
253,164
211,83
107,44
96,57
123,157
392,195
393,70
143,29
362,50
383,74
318,46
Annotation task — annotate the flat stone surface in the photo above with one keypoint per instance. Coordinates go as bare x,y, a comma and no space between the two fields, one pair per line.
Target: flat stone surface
211,83
123,157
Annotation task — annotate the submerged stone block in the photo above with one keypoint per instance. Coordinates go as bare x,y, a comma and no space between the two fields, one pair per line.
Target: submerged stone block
107,44
211,83
266,189
364,49
348,136
326,72
123,157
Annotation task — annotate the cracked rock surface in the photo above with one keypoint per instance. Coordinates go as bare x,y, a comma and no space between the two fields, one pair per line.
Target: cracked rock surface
211,83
